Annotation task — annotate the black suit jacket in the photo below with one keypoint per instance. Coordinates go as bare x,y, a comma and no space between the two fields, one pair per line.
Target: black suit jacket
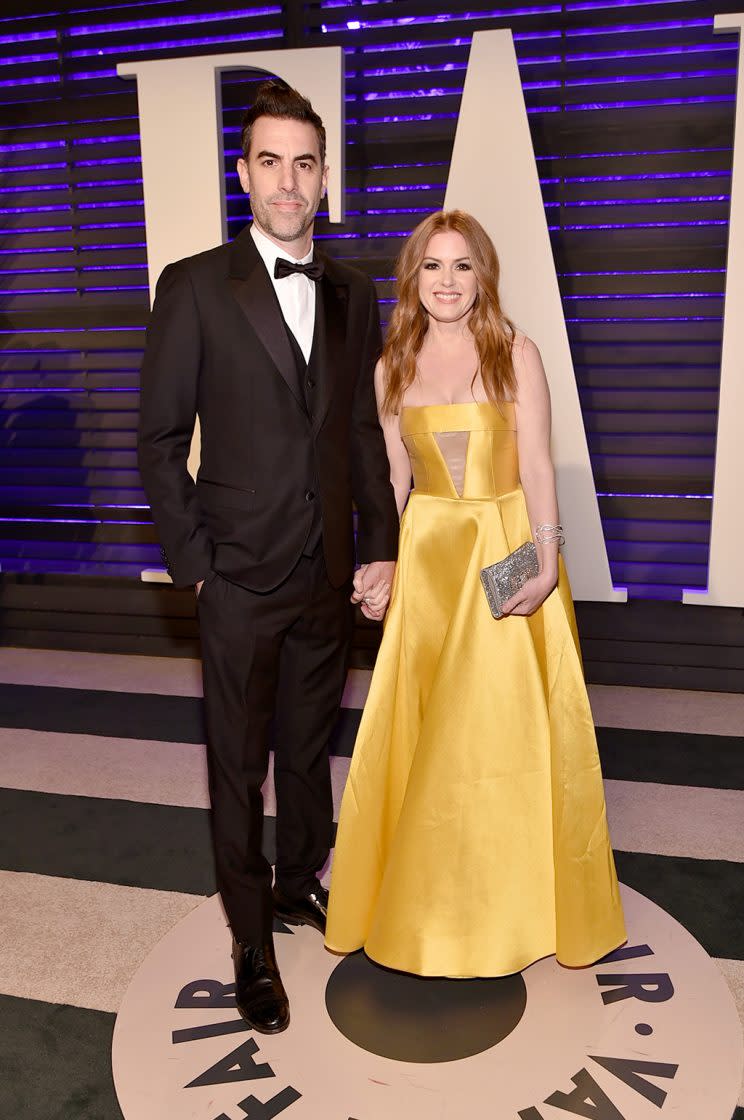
217,346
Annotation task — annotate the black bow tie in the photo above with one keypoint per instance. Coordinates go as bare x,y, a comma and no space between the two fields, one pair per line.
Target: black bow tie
283,267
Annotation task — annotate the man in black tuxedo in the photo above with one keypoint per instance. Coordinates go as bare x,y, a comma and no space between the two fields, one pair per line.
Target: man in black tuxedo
273,345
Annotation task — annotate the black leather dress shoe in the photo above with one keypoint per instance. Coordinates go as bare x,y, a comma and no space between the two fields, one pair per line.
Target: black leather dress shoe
310,910
259,993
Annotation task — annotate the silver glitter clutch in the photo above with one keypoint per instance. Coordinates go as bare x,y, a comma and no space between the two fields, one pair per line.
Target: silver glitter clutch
504,578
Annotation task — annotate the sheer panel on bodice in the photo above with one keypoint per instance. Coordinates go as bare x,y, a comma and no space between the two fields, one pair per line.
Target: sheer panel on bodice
453,447
461,450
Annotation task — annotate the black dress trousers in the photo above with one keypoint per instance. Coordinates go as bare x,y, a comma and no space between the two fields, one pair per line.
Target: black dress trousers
280,656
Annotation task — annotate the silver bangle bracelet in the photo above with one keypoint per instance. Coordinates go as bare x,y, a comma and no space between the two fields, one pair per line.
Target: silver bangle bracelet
546,534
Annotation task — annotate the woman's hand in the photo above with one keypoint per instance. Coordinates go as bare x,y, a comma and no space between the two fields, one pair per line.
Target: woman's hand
375,601
532,595
372,585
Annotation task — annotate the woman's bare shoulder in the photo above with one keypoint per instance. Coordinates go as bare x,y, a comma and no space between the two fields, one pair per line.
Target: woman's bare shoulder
523,348
529,370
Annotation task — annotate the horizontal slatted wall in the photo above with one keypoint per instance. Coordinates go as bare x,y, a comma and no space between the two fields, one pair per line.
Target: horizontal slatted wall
631,110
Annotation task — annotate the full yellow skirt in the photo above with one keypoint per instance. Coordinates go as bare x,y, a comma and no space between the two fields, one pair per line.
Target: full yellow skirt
473,836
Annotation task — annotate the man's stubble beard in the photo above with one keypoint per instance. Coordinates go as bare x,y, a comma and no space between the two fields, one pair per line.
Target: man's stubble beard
262,213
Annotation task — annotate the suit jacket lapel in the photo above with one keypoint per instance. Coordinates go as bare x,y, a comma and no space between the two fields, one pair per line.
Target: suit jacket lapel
330,337
252,288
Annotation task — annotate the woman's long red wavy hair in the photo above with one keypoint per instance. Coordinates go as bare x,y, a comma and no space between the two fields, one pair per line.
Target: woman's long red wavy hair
492,331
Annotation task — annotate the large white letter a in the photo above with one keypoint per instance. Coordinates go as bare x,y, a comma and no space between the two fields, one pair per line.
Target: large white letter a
494,177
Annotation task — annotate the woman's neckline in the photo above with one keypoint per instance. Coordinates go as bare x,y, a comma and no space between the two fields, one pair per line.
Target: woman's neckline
456,404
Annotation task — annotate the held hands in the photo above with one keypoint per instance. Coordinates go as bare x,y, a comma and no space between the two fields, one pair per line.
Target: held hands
532,595
372,584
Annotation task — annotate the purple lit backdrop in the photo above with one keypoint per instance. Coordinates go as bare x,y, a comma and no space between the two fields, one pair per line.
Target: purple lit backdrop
631,108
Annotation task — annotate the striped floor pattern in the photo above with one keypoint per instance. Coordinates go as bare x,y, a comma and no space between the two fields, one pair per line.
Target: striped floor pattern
105,844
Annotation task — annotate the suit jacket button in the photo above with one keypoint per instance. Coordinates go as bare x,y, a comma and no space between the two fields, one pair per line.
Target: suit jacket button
310,383
309,496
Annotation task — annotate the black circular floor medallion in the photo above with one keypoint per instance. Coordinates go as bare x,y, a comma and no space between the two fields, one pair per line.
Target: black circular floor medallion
421,1019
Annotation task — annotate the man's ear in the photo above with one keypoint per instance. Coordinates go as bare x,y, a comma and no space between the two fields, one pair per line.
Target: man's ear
243,175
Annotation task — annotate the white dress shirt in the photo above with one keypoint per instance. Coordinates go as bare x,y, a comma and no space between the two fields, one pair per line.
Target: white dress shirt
296,293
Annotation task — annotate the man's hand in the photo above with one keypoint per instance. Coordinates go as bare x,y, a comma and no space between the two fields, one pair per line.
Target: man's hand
372,584
198,587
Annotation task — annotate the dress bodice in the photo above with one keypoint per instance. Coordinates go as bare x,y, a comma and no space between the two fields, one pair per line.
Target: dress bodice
461,450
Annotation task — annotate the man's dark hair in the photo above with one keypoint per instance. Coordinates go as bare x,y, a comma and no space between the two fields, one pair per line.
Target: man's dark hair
277,99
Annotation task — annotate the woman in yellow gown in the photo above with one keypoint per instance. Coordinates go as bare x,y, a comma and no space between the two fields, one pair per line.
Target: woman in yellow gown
472,838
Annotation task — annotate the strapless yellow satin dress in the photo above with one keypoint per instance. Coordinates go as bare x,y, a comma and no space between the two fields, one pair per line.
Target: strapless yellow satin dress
473,837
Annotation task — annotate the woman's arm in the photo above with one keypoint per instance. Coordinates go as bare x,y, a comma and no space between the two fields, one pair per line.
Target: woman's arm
373,582
400,464
536,471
